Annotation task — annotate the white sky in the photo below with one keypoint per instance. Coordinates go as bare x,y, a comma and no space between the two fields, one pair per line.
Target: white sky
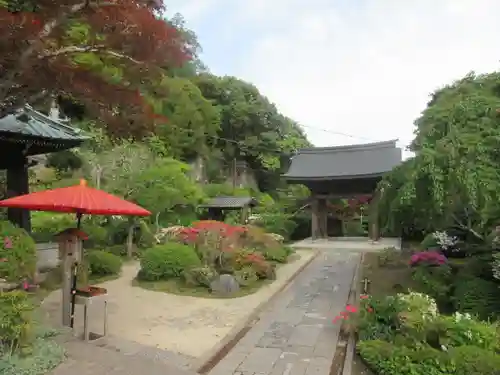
358,67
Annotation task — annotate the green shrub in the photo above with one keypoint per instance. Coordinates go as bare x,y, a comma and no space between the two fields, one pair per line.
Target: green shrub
16,319
118,250
246,276
463,330
429,242
17,252
389,359
167,261
97,234
199,276
471,360
44,356
276,254
476,296
379,318
434,281
279,223
102,263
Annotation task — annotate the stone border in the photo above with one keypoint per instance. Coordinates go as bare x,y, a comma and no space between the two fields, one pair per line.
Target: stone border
351,341
205,364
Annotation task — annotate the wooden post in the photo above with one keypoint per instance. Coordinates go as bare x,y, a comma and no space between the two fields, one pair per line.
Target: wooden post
17,184
70,253
66,290
315,218
323,218
365,283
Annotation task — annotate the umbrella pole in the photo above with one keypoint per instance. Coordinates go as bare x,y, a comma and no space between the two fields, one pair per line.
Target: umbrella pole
74,278
73,295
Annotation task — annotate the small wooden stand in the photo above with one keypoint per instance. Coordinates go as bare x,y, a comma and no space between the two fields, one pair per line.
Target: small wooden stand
87,302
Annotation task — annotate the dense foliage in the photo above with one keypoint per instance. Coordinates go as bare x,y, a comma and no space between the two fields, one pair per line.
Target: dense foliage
17,253
406,334
453,180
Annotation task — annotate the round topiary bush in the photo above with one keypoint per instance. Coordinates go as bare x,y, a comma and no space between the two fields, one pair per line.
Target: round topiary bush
17,253
102,263
167,261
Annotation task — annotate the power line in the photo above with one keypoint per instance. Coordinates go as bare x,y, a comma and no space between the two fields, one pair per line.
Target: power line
334,132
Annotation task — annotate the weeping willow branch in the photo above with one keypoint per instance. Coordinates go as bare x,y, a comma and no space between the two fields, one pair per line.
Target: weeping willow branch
468,227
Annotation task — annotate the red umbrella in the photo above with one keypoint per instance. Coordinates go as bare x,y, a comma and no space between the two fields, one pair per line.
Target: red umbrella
78,199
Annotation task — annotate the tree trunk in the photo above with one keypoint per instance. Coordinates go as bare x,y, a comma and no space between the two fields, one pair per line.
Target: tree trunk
130,239
157,222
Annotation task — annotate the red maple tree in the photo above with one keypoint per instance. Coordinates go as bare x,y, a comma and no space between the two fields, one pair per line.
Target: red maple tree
105,54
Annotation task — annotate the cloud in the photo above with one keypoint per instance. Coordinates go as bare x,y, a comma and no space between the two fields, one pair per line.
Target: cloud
358,67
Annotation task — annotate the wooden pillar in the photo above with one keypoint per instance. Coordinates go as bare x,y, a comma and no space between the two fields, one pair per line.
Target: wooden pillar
323,218
315,233
17,184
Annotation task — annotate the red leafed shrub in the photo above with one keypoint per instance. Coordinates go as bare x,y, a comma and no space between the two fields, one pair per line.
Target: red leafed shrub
68,48
228,247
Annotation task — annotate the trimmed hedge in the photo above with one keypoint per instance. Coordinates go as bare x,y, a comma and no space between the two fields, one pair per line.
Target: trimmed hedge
167,261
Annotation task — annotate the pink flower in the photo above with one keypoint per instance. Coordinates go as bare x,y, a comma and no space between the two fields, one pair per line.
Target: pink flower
7,243
428,258
363,296
351,308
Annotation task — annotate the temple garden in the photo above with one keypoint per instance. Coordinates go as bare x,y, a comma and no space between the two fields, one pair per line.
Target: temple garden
208,259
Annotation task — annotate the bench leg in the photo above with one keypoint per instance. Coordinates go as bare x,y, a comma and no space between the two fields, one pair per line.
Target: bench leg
86,333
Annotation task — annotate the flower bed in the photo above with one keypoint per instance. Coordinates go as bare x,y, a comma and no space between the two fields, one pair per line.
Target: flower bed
416,319
405,334
212,257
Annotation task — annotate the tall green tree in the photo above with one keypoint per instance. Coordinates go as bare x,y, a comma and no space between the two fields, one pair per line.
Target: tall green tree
251,128
454,180
193,121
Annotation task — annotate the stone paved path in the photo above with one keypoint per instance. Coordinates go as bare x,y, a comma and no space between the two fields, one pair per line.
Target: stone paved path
89,359
295,334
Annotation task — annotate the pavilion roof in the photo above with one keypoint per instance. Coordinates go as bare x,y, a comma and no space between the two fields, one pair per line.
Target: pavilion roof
344,162
41,133
230,202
